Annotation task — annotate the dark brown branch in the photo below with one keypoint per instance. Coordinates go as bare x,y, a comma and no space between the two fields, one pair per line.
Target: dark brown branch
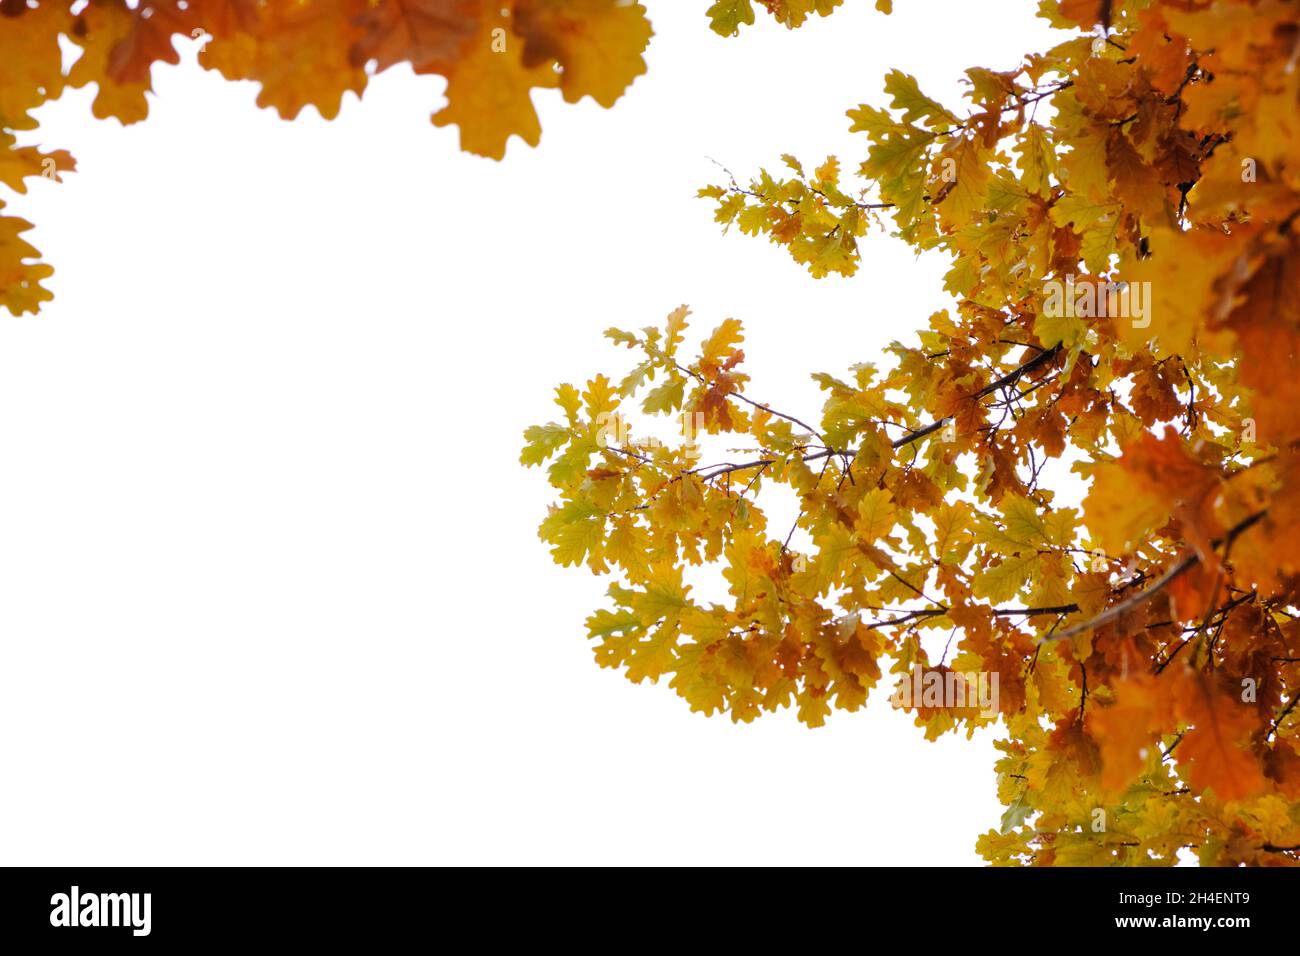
1141,597
909,615
1295,698
1039,360
920,433
1032,611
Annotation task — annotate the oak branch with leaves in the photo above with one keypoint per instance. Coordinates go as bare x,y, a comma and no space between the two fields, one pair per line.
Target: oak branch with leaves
1120,215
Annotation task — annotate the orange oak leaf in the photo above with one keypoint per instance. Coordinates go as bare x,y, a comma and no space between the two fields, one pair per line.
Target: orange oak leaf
1216,751
426,33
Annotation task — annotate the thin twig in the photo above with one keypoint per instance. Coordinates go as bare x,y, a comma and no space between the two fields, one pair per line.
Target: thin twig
1141,597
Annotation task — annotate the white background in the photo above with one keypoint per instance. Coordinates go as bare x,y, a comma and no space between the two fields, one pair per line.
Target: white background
270,587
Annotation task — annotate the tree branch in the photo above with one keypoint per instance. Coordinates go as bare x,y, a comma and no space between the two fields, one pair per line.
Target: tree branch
1141,597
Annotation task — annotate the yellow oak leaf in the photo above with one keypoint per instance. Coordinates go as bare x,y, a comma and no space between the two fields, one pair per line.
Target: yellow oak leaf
489,96
597,43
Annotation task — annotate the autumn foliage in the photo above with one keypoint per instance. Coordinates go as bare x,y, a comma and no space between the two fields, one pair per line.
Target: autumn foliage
493,53
1120,216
